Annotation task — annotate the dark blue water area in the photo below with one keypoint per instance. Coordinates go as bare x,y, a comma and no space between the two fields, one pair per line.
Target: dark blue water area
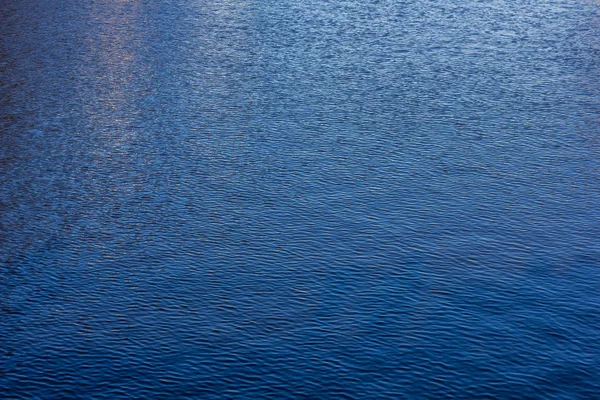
313,199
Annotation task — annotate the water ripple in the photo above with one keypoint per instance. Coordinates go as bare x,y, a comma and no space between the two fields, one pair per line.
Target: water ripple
325,199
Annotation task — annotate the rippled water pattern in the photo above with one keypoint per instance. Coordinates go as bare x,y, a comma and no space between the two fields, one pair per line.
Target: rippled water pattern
299,199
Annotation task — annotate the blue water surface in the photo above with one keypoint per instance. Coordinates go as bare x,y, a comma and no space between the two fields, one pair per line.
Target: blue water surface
317,199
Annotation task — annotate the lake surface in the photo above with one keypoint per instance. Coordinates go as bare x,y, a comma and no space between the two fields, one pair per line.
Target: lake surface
317,199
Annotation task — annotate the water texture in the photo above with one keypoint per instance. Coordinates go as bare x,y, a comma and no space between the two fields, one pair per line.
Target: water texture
341,199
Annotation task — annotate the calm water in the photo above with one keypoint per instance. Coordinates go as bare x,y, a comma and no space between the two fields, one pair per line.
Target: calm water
299,199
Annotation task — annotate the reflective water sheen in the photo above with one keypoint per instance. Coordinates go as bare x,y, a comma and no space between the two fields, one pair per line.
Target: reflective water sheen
299,199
